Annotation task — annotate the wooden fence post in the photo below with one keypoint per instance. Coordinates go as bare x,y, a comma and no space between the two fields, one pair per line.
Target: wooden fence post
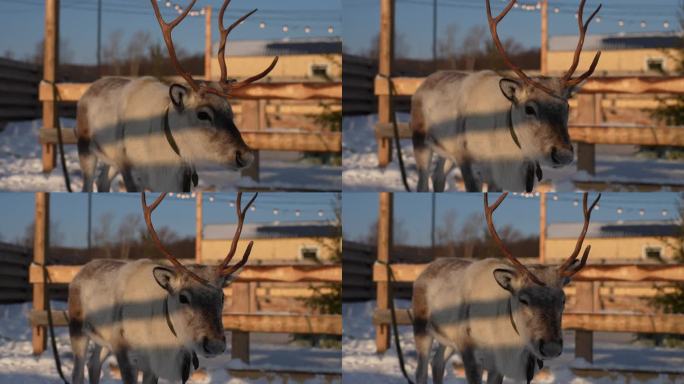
198,227
251,122
50,62
542,227
382,332
584,302
207,43
386,51
544,37
586,114
239,340
41,241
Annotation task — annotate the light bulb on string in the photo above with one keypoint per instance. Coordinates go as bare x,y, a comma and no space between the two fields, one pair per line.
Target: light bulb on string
285,28
252,208
642,212
619,211
232,204
666,25
298,213
575,203
598,19
642,24
596,208
211,199
168,4
307,29
621,23
320,213
555,197
331,29
663,212
276,211
556,10
262,25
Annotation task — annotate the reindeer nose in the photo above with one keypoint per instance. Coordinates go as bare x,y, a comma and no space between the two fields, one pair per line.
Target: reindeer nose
552,348
562,155
214,346
243,158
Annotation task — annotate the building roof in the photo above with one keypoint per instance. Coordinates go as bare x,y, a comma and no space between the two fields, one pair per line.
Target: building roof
617,42
614,229
270,230
283,47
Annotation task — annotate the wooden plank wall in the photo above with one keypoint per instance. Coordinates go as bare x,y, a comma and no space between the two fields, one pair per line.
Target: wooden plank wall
14,272
19,90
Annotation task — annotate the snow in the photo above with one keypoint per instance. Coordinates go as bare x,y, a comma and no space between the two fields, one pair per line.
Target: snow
614,164
361,363
18,365
21,167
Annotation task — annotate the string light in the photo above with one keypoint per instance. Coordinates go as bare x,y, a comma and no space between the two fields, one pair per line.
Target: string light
276,211
331,30
619,211
298,212
664,212
262,25
621,23
320,212
666,25
252,208
642,212
285,28
307,29
642,24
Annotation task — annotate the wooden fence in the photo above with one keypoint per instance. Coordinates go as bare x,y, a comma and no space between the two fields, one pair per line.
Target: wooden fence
357,85
14,282
18,90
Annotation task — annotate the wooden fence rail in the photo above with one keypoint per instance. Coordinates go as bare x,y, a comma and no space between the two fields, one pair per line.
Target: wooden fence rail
18,94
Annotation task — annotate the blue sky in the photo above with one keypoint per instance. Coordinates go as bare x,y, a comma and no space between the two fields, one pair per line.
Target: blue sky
69,211
414,20
21,22
360,211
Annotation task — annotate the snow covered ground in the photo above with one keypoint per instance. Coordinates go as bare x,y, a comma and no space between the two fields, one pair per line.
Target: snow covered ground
18,365
361,364
21,167
614,164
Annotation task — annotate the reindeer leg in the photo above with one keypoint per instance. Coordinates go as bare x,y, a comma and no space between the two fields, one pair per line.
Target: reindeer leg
129,182
439,175
472,370
469,179
95,363
129,375
442,355
423,347
149,378
104,179
88,161
79,346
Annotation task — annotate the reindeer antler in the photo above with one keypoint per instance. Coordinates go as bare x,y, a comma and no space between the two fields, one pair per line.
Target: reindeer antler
223,268
489,211
167,28
564,270
229,86
566,80
201,87
147,210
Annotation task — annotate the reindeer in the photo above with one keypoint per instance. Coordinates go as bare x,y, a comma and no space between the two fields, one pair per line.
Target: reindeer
154,134
497,129
153,317
498,314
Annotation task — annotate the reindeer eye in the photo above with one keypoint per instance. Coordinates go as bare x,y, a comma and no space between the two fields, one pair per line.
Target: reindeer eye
203,116
184,299
523,301
530,110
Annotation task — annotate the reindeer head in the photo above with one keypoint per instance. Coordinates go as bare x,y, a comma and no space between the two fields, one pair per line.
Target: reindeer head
200,117
537,299
195,297
539,107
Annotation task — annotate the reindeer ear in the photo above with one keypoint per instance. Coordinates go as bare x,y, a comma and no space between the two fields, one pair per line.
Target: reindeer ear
177,93
164,277
510,88
571,91
504,277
